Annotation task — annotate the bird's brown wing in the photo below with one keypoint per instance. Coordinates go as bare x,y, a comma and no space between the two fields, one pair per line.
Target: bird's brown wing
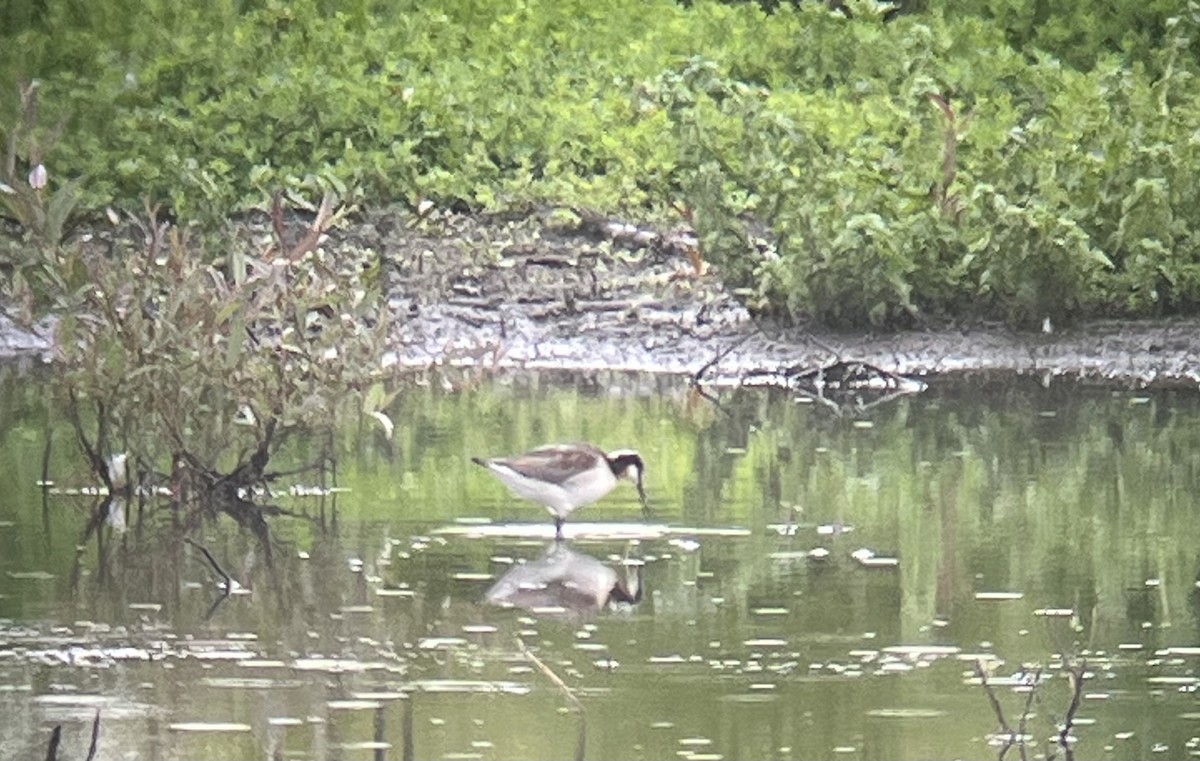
554,464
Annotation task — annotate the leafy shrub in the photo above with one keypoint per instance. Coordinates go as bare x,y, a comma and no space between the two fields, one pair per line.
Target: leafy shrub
1032,191
201,373
42,205
1081,34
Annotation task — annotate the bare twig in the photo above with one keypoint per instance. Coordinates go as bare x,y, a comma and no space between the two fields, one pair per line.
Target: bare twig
406,745
55,739
95,736
313,236
1021,725
94,456
941,190
991,695
46,479
1076,677
216,566
1024,722
581,745
380,734
275,475
699,374
277,217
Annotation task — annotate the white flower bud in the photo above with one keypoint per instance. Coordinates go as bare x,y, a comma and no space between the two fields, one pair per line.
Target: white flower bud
38,177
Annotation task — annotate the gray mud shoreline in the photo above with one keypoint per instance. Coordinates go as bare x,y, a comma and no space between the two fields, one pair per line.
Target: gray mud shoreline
556,291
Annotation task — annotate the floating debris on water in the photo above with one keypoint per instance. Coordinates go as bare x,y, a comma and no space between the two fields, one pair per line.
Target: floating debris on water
440,643
868,559
468,686
833,529
380,696
335,665
1054,612
249,683
765,642
999,596
922,651
30,575
395,592
363,745
906,713
208,726
352,705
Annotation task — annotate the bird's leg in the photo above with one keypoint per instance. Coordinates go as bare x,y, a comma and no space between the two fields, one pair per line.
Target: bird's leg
558,524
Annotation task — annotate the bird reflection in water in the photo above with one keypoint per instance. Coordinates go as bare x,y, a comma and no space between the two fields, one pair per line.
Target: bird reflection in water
563,583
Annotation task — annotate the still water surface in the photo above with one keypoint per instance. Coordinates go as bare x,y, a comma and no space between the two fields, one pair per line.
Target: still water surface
814,586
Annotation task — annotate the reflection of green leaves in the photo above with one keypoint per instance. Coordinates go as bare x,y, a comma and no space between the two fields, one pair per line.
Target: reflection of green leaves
951,485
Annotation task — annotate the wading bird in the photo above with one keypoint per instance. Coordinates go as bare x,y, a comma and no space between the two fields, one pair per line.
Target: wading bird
564,477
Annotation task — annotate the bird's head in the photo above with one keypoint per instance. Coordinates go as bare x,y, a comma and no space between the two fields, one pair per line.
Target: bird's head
628,464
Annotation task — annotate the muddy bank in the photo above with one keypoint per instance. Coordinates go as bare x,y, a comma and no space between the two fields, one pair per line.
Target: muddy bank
555,289
559,291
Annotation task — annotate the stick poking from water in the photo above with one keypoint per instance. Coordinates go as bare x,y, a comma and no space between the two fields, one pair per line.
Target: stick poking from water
216,566
95,736
55,739
1076,675
581,745
991,695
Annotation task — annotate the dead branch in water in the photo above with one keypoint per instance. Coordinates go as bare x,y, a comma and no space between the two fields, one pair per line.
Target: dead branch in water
213,562
95,736
698,376
1022,725
581,745
55,739
94,452
1076,676
991,696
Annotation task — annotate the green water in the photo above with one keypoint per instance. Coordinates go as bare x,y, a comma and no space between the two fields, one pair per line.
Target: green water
1023,526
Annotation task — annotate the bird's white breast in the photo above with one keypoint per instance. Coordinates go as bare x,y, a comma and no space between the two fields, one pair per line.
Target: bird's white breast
578,490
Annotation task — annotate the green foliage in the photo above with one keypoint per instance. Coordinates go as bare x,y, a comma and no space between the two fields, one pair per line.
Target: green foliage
34,265
994,159
1031,191
1080,34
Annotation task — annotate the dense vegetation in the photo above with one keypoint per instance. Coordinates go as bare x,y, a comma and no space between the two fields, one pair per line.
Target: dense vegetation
991,159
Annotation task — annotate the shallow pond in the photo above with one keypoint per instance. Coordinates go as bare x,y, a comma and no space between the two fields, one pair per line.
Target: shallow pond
813,586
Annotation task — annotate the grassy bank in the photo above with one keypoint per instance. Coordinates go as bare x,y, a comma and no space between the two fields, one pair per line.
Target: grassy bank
1000,160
